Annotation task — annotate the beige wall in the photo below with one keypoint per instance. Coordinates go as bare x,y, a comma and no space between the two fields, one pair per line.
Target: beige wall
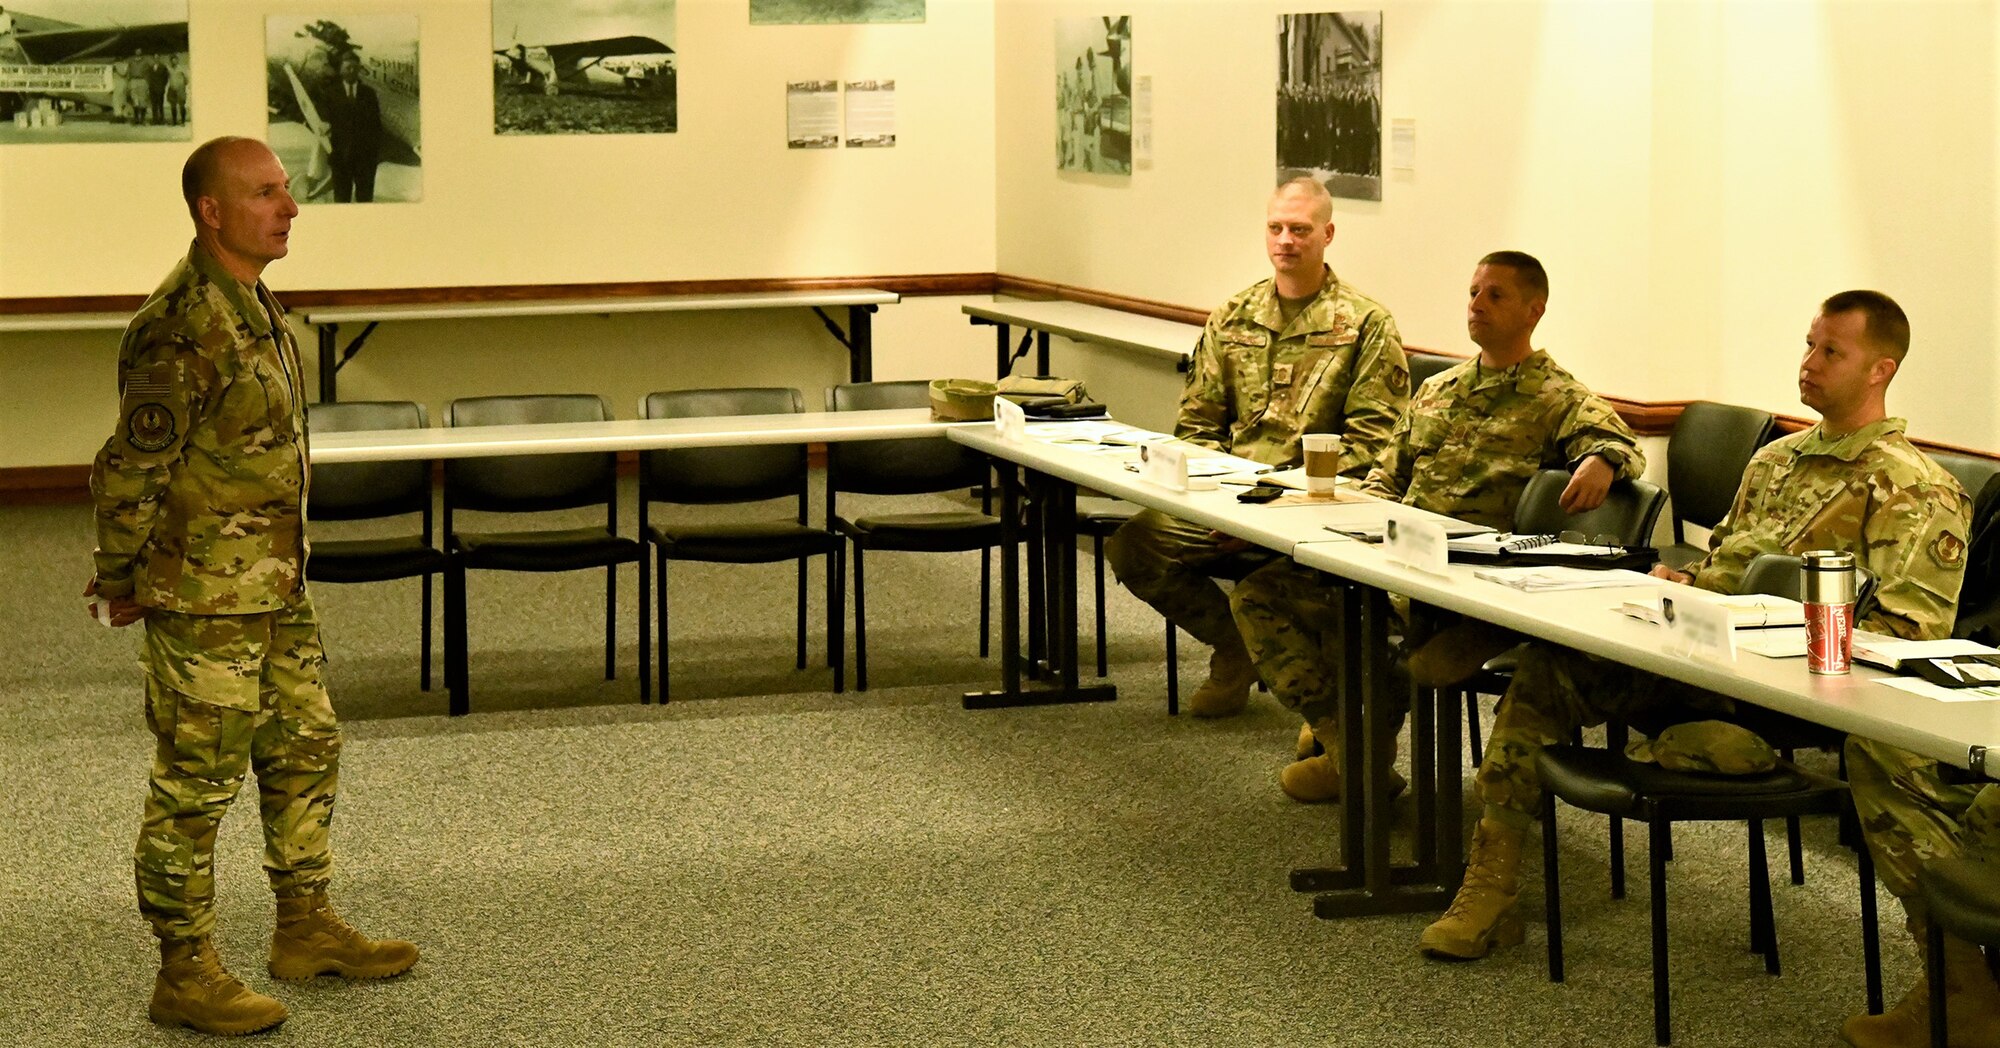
1696,174
722,198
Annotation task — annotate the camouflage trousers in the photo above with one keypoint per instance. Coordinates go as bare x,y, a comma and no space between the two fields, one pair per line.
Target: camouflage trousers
1557,691
1911,812
226,694
1172,565
1286,614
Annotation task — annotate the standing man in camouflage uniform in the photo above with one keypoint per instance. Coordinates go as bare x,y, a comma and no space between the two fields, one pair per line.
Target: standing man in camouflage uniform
1298,353
200,498
1471,440
1851,482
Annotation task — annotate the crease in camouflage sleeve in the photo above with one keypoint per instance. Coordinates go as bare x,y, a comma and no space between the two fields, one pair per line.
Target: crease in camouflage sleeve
1377,400
1203,418
1593,427
1916,594
1390,477
163,384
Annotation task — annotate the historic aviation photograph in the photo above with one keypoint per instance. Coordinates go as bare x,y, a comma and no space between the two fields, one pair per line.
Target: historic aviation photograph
342,96
94,71
590,67
824,12
1094,94
1330,101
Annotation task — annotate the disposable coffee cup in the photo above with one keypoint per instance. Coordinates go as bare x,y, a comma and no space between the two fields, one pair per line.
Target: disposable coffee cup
1322,463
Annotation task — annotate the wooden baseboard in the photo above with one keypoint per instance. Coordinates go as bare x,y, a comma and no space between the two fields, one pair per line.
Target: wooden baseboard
44,485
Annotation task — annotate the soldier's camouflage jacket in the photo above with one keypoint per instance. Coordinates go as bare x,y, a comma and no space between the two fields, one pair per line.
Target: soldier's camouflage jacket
1256,384
200,491
1473,437
1871,493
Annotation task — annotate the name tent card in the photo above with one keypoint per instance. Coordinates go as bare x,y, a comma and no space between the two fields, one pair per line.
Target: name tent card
1009,421
1418,542
1164,465
1698,627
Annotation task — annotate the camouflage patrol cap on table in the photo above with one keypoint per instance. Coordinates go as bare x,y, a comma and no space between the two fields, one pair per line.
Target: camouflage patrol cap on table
1712,746
962,399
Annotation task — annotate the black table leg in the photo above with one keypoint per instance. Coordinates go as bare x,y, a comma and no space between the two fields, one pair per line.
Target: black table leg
1051,626
329,336
861,343
1041,352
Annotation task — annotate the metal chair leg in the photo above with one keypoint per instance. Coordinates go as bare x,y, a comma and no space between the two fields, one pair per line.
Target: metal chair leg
1097,549
836,618
985,601
611,622
1763,921
1173,672
645,630
424,673
1662,833
801,603
860,625
660,594
1477,750
1934,974
1871,930
1552,887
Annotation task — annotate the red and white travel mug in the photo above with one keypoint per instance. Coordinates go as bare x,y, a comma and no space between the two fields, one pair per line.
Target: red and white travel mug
1828,587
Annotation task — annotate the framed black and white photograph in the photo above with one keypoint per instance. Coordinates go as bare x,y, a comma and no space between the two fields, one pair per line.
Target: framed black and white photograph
1330,101
589,67
828,12
94,71
342,95
1094,94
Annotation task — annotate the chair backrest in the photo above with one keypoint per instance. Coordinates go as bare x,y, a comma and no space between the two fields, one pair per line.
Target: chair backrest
1972,471
530,483
1710,448
896,467
1628,513
1979,595
700,476
1424,365
360,490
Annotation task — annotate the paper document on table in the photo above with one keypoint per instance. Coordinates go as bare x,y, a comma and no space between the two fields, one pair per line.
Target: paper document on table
1374,530
1294,478
1549,579
1500,542
1890,653
1746,610
1917,686
1780,643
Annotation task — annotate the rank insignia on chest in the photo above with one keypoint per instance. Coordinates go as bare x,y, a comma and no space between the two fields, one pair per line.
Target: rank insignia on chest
1281,374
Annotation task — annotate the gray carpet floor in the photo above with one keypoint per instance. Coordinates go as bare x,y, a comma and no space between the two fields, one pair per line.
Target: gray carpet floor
764,862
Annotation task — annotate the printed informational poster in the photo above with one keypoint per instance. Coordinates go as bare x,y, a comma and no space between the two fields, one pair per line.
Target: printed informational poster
342,96
823,12
812,114
1094,94
585,68
871,113
1330,101
107,71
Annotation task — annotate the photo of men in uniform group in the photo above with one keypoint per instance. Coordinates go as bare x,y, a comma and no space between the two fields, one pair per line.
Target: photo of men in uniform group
342,97
824,12
104,71
589,67
1330,101
1094,94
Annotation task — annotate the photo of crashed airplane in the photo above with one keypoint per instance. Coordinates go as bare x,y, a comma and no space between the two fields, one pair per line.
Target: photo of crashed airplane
343,106
108,71
606,69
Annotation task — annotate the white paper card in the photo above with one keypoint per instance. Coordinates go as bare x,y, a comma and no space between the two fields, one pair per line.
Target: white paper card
812,114
1698,627
1164,465
1009,421
1142,121
1418,542
871,114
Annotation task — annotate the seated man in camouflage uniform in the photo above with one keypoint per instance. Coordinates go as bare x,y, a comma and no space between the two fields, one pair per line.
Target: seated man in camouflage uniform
200,499
1473,437
1299,353
1912,810
1852,482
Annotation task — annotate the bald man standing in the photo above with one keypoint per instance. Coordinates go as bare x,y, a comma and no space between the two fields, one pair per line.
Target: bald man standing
200,497
1301,352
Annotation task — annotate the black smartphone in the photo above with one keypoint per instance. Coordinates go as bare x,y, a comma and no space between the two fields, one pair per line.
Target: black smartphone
1260,493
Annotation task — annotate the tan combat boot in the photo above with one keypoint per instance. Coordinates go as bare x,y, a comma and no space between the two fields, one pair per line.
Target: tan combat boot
1307,741
1971,1007
194,990
1230,677
312,940
1316,779
1482,914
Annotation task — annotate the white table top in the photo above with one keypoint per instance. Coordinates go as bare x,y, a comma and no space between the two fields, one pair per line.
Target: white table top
623,435
572,306
1584,619
1086,323
19,322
